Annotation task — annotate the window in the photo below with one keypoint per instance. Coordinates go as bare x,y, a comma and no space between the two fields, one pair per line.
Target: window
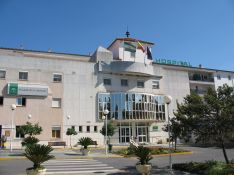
80,129
17,134
132,54
1,100
218,77
140,84
229,77
73,127
95,128
107,81
56,132
155,85
87,128
124,82
2,74
23,75
57,77
56,103
21,101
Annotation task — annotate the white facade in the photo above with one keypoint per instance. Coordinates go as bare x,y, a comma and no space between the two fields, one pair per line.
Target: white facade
135,86
222,78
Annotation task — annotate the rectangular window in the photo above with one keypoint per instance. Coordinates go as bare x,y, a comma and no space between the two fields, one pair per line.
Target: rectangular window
56,132
95,129
132,54
107,81
87,128
57,78
21,101
124,82
17,134
1,100
155,85
56,103
73,127
218,77
2,74
80,129
140,84
23,75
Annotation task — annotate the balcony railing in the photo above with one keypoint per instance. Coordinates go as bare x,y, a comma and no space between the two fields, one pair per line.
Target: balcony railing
198,91
200,78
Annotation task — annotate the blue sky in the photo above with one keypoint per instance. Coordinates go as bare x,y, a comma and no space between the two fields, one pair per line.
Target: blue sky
198,31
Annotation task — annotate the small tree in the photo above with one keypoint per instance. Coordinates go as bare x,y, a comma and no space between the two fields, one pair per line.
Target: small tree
110,131
71,131
175,130
31,130
209,118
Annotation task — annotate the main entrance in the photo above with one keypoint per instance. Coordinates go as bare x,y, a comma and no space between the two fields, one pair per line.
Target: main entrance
142,134
125,134
139,133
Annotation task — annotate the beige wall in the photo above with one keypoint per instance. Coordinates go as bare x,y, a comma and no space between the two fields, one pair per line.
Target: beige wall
39,107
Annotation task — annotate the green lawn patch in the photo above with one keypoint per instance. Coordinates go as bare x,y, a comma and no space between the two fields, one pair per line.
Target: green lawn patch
206,168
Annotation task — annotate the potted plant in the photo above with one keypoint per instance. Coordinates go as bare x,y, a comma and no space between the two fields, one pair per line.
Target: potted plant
144,156
85,142
38,154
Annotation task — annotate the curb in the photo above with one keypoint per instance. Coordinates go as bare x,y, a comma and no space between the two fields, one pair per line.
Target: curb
9,158
173,154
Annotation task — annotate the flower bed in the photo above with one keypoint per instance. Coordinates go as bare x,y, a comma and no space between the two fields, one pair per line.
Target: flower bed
153,150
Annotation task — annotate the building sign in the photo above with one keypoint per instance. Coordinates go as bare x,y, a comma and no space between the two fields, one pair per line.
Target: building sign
155,128
7,133
27,89
173,62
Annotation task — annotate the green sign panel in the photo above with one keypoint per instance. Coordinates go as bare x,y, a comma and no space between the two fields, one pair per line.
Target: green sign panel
155,128
12,89
173,62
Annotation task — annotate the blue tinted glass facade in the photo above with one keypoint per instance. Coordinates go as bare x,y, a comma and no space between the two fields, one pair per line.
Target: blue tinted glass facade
132,106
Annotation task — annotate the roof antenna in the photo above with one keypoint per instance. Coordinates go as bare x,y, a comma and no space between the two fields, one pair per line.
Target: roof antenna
127,33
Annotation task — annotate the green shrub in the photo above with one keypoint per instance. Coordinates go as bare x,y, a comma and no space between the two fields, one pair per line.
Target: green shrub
143,154
38,154
153,150
207,168
85,142
28,141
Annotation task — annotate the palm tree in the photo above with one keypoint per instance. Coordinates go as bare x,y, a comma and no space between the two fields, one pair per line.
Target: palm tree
38,154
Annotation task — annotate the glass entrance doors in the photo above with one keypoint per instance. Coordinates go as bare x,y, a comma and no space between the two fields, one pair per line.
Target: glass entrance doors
125,134
142,133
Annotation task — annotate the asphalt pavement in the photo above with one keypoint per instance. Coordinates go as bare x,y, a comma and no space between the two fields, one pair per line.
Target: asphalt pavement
99,163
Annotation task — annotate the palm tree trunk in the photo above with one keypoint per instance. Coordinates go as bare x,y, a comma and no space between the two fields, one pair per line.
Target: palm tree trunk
175,142
224,152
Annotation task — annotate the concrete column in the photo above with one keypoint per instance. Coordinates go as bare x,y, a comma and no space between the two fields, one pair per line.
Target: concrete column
133,129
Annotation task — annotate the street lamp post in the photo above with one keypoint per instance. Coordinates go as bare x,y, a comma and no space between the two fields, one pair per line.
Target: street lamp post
68,118
13,107
106,112
29,116
168,100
